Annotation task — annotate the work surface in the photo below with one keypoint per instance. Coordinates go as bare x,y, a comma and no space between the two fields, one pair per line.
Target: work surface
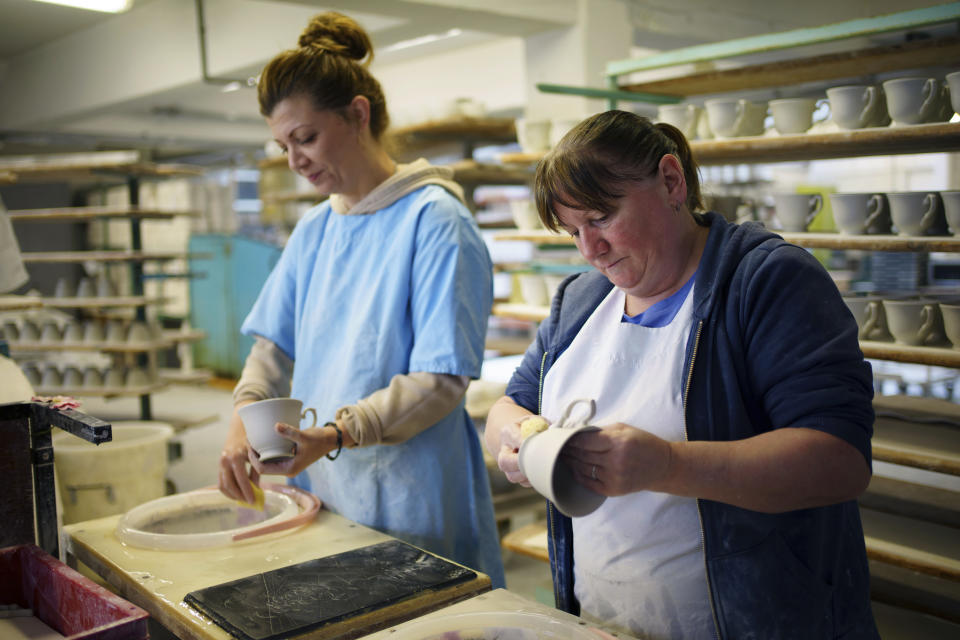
159,580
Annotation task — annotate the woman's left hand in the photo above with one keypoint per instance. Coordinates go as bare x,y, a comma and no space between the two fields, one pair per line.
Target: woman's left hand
311,445
618,459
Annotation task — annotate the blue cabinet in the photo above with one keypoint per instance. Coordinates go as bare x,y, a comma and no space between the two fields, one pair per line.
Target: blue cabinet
233,276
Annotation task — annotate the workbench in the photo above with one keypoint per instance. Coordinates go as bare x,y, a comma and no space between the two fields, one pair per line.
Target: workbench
158,581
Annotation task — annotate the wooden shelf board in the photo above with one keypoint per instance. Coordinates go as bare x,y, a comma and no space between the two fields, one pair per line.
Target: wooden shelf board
540,236
936,356
817,240
17,303
935,447
92,213
178,335
529,540
105,301
104,391
120,347
930,504
906,542
469,171
108,256
293,196
84,165
456,129
176,376
521,311
874,141
845,64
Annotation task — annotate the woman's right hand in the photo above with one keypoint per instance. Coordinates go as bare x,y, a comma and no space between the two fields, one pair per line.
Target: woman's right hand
508,458
234,479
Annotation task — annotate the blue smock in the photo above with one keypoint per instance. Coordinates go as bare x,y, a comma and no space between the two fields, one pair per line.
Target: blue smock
357,299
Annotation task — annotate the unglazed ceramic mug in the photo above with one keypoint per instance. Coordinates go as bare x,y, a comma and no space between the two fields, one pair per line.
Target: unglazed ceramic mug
951,322
260,418
854,213
871,318
731,118
793,115
858,106
914,212
796,211
685,117
533,135
524,213
951,209
953,82
914,100
540,461
913,322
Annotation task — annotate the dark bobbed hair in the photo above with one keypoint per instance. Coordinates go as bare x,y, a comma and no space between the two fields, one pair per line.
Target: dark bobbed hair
330,66
588,169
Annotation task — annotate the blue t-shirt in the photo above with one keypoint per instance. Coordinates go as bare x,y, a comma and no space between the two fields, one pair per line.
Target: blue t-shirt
662,313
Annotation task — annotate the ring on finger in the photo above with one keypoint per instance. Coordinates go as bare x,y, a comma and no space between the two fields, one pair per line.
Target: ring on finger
593,472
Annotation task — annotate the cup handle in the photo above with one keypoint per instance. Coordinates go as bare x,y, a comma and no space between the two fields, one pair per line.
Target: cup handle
741,116
930,211
828,113
874,210
873,318
931,99
312,411
816,203
565,421
927,318
868,108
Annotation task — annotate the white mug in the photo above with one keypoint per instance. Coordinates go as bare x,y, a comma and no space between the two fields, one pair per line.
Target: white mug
260,418
540,461
793,115
685,117
854,213
914,100
913,212
796,211
858,106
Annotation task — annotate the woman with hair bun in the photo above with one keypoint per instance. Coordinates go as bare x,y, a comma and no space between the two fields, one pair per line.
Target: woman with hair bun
375,316
733,401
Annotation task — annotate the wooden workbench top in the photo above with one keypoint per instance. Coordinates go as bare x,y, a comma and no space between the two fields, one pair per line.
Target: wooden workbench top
159,580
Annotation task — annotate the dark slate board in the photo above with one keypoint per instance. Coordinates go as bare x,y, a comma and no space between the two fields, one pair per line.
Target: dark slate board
302,597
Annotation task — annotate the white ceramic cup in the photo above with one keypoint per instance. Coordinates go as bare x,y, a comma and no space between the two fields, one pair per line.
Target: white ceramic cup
533,289
914,100
951,322
854,213
793,115
796,211
685,117
953,82
732,118
533,135
857,106
913,212
540,462
912,322
951,209
260,418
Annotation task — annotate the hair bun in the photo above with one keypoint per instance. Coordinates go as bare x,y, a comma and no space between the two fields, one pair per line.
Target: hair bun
335,33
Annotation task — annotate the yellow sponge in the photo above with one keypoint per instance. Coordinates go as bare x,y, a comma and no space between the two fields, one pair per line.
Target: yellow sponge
257,499
532,425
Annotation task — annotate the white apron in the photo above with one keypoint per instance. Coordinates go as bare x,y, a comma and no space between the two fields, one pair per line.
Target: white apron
638,560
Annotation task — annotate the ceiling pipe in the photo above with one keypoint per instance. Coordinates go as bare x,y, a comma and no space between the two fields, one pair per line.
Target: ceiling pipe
207,78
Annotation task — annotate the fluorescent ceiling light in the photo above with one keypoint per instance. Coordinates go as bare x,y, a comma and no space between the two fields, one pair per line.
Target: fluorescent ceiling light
107,6
416,42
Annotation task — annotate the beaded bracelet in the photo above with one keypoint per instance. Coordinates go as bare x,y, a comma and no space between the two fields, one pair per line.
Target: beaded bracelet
339,440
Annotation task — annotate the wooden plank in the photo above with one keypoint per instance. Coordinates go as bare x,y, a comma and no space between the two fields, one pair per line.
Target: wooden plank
847,64
818,240
521,311
789,39
922,138
105,301
108,256
915,591
16,303
918,501
936,356
469,171
530,540
92,213
83,165
931,446
928,548
458,129
107,392
539,236
117,347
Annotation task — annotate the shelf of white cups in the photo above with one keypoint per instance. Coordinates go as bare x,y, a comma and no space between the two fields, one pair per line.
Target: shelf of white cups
900,115
26,336
53,379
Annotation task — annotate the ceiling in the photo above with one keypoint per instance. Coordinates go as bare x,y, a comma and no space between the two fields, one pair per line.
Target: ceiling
81,80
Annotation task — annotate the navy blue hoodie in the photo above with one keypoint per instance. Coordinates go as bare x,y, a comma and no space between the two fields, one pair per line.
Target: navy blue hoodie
772,346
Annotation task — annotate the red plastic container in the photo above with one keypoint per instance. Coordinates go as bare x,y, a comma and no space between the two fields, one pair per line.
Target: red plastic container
64,600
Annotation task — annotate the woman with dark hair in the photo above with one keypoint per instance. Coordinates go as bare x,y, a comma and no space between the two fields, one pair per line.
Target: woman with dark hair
733,399
375,316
